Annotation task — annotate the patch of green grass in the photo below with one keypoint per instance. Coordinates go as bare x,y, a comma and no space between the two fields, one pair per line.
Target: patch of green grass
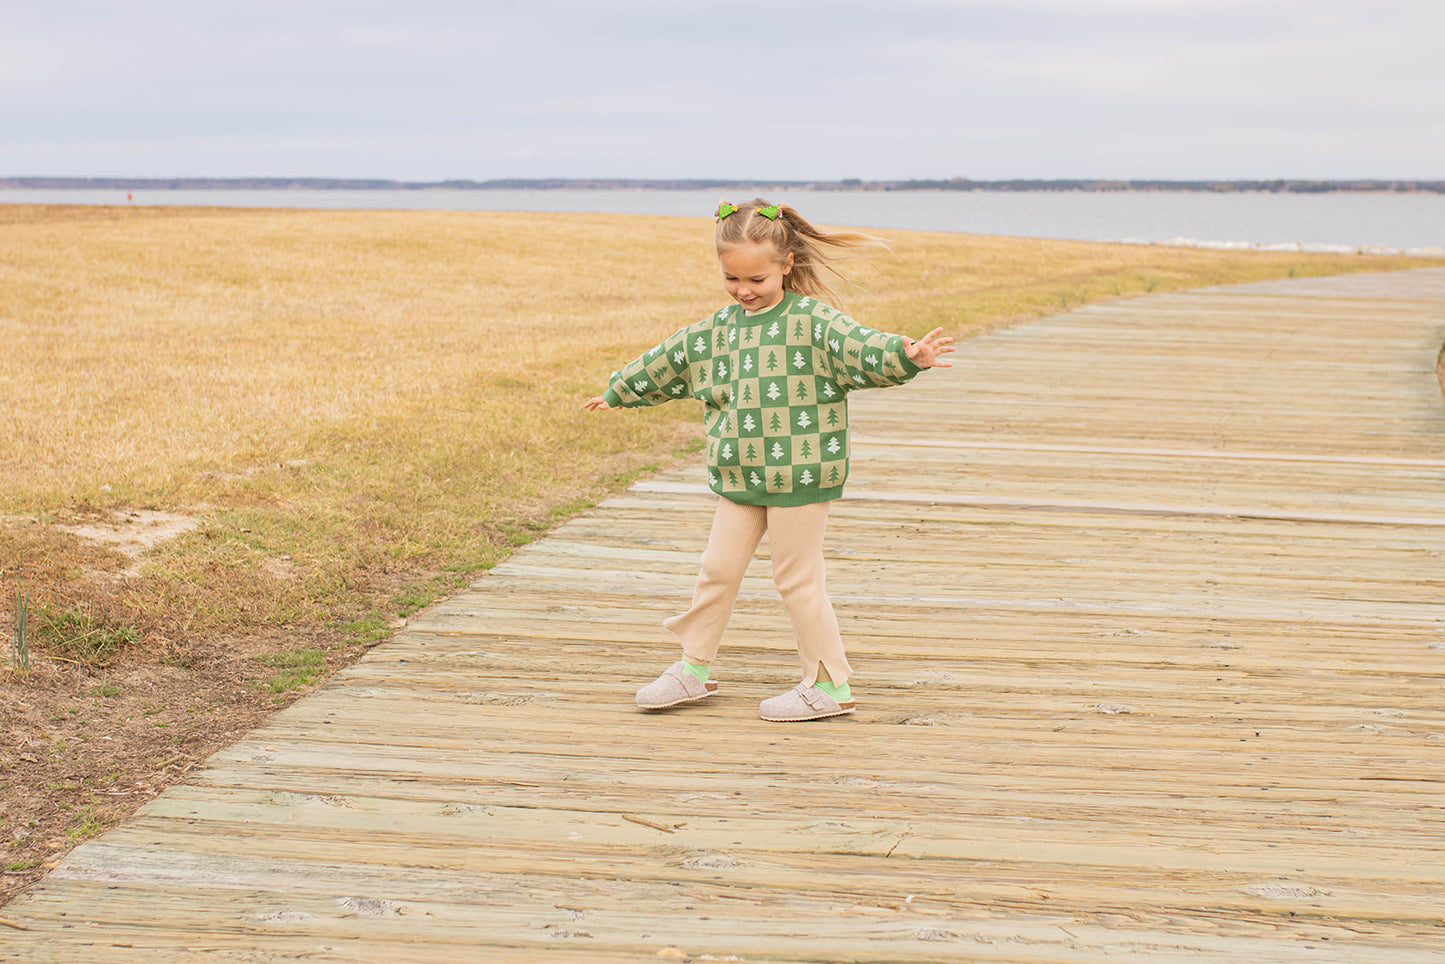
87,827
422,594
568,509
298,668
77,634
106,687
366,630
413,599
15,866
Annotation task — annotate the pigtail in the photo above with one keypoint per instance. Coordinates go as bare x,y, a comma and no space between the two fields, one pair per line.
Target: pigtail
814,250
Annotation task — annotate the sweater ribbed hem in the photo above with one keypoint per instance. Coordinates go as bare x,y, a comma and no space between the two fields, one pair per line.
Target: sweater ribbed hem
776,499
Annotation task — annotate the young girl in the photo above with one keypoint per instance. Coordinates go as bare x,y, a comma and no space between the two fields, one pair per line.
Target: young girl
773,373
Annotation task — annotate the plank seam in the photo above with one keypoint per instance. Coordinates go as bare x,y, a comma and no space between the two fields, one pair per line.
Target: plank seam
1088,508
1148,452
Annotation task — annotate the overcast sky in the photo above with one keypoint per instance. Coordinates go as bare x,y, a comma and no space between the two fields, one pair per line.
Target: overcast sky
884,89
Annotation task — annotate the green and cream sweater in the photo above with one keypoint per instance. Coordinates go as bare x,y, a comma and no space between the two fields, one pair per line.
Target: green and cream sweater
775,389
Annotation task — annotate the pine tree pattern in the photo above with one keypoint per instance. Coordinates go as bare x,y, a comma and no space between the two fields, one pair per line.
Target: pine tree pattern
774,388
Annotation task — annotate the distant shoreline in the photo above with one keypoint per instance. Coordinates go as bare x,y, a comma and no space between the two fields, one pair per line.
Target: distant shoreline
613,184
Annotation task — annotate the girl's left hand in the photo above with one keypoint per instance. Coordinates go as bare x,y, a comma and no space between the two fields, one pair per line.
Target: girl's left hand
924,352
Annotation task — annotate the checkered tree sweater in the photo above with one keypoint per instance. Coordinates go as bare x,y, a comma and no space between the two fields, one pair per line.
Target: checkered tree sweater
775,389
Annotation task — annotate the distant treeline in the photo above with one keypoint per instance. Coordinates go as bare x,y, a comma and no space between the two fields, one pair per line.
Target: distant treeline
603,184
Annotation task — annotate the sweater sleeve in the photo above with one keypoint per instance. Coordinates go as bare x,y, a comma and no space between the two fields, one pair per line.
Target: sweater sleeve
866,357
658,375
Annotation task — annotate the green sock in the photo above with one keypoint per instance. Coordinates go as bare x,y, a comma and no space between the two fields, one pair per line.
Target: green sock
838,691
697,669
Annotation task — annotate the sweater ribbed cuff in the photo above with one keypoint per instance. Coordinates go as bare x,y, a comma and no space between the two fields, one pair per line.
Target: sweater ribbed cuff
903,358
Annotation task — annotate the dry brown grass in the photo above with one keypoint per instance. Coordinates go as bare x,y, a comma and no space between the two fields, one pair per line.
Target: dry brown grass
361,410
145,354
152,354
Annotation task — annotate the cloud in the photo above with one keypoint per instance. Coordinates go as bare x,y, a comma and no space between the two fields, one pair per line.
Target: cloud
690,88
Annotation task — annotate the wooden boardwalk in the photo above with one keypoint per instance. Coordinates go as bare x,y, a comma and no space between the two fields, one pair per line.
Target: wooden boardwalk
1147,608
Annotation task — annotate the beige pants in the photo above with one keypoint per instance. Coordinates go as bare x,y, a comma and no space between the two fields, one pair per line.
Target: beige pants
795,541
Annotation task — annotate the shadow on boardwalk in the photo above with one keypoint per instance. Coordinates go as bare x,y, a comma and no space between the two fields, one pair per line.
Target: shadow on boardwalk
1147,607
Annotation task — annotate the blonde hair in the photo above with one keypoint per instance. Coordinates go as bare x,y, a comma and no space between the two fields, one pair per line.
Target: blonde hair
813,249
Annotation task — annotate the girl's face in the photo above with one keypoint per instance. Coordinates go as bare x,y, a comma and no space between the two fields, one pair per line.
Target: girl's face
753,275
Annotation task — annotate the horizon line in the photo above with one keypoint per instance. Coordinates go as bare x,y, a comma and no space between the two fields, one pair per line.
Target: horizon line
1289,185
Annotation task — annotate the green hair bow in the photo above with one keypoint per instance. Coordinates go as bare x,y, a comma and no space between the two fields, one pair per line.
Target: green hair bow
724,209
770,212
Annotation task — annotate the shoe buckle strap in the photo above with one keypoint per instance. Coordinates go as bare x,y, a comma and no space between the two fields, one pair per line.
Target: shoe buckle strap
690,683
817,699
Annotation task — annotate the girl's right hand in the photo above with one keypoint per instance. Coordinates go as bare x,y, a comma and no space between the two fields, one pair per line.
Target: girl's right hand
596,404
924,352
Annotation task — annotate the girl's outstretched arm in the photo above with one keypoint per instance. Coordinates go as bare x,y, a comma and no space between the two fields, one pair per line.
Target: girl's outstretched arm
924,352
596,404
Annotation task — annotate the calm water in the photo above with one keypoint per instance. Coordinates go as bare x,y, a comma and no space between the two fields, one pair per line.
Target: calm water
1395,221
